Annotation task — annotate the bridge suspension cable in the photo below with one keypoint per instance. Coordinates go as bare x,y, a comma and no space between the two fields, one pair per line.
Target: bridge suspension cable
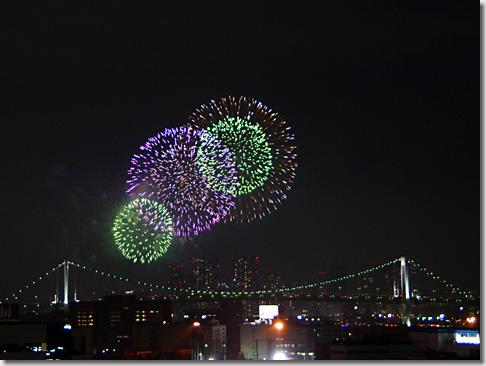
15,295
236,293
190,291
437,278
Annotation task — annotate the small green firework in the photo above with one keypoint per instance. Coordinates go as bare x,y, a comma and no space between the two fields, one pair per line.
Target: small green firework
143,230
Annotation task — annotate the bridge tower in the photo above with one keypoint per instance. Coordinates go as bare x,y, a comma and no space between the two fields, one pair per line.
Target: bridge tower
405,280
66,282
405,290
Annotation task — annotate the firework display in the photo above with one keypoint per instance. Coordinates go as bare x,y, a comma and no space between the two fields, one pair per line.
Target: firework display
143,230
196,188
261,147
234,161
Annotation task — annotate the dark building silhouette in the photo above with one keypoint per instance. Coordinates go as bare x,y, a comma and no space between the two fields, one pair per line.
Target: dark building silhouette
112,319
230,314
43,341
165,341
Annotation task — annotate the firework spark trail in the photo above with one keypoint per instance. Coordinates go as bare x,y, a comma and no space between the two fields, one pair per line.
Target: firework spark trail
260,143
195,187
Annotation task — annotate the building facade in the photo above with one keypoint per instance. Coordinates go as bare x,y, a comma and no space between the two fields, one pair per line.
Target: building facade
245,274
205,273
113,318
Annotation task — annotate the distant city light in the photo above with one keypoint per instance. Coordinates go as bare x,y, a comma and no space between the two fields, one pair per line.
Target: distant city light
279,325
196,324
279,356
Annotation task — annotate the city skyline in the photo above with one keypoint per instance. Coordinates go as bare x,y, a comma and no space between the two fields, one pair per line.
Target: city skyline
378,313
382,101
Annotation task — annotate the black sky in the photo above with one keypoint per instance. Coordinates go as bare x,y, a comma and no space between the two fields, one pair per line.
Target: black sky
383,99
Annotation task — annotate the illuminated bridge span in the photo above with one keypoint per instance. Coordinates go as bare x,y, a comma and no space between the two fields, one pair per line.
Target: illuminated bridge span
316,291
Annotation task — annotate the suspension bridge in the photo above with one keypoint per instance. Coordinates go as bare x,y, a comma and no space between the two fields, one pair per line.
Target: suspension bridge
404,287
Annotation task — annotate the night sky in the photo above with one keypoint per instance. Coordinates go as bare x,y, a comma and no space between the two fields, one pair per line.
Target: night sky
382,97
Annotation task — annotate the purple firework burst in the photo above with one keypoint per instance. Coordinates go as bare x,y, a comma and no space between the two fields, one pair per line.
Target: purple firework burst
194,187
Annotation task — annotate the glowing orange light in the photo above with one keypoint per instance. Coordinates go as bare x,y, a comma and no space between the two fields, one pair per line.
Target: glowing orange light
196,324
279,326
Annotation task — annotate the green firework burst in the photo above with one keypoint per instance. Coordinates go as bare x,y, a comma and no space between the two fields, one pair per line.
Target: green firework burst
143,230
263,150
249,150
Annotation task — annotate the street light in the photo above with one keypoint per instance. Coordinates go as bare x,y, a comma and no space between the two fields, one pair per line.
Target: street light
195,340
279,355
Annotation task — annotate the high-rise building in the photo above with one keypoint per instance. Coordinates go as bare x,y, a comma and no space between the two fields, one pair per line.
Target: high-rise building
215,341
205,273
177,278
245,274
273,281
